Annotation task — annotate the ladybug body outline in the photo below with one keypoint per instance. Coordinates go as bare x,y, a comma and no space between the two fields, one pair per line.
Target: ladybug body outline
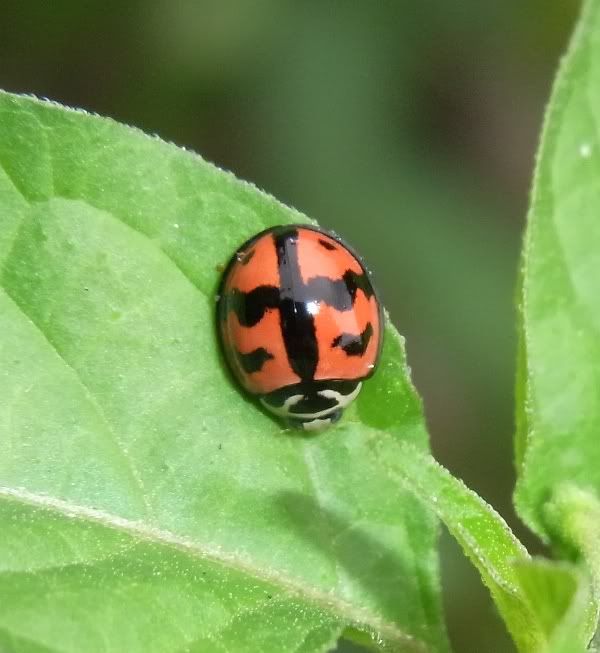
300,323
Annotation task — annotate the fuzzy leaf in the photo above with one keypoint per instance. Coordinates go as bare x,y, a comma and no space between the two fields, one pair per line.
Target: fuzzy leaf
558,380
559,371
145,503
543,603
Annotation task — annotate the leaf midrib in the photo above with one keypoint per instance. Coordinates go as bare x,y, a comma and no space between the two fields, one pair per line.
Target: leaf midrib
345,612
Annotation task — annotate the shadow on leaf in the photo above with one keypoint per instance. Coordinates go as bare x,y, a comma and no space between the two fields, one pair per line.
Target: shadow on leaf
361,558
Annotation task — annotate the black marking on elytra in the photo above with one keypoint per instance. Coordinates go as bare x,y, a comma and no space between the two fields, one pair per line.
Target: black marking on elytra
250,307
355,281
326,245
337,293
297,324
247,257
277,397
253,361
291,298
352,344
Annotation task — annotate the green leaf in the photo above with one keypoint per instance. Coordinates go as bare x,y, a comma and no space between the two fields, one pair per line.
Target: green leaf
542,603
558,380
559,371
575,514
559,595
145,503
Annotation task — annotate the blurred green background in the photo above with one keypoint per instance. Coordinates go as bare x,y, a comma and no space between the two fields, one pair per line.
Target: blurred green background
407,127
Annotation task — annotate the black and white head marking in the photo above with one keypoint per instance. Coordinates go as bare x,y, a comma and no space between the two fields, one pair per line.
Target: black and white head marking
312,408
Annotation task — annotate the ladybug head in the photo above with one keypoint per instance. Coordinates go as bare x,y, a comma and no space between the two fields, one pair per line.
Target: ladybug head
313,405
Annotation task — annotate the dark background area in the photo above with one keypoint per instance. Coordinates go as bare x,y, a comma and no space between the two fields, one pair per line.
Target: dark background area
407,127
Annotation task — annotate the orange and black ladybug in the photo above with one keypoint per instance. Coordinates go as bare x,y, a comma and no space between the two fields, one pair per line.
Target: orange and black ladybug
300,323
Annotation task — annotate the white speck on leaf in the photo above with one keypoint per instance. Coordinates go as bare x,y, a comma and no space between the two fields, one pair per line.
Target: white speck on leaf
585,150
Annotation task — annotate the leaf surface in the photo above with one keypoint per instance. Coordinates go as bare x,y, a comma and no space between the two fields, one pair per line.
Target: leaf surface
145,503
558,380
559,372
545,605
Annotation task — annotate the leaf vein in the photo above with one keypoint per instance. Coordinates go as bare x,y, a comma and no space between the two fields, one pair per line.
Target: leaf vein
335,606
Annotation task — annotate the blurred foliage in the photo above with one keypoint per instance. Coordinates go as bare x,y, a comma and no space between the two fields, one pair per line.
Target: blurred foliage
409,128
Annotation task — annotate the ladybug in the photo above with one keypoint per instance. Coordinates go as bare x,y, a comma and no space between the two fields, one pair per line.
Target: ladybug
300,323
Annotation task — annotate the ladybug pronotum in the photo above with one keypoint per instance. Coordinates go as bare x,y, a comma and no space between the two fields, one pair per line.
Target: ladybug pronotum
300,323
